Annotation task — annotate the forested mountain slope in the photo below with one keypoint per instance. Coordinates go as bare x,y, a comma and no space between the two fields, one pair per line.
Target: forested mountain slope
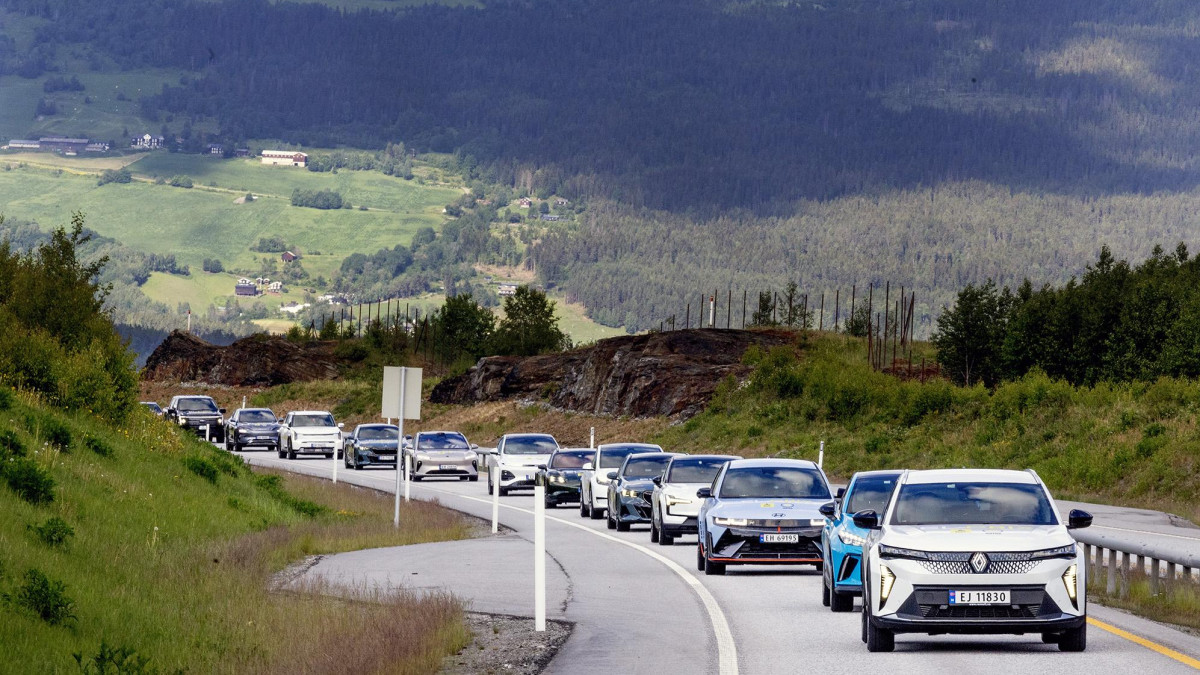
816,130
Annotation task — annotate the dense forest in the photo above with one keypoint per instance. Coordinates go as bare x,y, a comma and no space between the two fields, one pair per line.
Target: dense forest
811,133
1116,323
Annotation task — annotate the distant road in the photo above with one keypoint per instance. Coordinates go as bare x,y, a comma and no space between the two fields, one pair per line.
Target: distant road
634,611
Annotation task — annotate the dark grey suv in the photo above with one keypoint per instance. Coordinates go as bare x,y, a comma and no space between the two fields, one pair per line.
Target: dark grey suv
196,413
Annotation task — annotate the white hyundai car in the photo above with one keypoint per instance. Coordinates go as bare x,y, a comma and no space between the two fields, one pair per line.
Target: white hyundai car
593,489
674,505
973,551
309,432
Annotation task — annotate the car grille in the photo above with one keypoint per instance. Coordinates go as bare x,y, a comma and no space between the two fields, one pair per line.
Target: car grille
964,567
983,612
764,522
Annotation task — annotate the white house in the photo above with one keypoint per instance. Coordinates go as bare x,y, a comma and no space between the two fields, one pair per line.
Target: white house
284,158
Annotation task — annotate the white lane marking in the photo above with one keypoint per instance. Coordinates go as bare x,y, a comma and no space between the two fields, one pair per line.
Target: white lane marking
727,663
1149,532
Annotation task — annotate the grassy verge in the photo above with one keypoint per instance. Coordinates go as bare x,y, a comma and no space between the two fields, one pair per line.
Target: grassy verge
143,543
1179,604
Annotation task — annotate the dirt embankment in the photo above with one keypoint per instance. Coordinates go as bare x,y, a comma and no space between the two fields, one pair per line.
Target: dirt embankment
672,374
259,360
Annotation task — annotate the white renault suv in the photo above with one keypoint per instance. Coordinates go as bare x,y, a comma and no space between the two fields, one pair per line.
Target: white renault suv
973,551
593,488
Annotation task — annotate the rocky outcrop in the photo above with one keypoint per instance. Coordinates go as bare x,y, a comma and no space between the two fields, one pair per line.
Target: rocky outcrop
259,360
673,374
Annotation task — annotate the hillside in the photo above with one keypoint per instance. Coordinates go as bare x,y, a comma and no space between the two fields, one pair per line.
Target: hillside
718,144
140,542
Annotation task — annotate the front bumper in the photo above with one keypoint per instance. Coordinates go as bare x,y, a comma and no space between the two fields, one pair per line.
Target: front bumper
518,477
375,457
315,446
742,545
927,610
563,493
255,438
846,571
445,467
680,518
633,509
216,426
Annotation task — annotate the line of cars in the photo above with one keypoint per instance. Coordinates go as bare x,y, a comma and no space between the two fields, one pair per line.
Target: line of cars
964,551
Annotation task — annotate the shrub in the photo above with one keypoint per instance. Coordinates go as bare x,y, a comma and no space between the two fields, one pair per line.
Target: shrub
54,532
201,467
114,661
6,398
45,597
10,444
30,481
98,446
56,433
273,486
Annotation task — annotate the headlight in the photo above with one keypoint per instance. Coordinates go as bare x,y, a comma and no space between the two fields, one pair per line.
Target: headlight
471,454
816,522
675,501
897,552
851,539
731,522
1070,580
629,493
182,421
557,479
886,581
1067,551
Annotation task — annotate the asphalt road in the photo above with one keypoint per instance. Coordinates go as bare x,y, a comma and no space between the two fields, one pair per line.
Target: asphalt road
641,607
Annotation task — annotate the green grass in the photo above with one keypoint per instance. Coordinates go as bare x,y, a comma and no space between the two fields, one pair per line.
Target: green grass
1134,444
175,567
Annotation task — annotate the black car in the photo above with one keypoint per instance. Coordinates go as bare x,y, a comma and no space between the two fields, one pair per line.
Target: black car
252,426
198,414
371,445
631,489
153,407
562,476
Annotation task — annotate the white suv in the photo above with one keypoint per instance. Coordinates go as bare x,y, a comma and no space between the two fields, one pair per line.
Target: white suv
310,432
518,457
973,551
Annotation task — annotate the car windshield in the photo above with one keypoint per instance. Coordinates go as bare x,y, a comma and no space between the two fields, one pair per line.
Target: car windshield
257,416
613,457
313,421
870,492
570,460
530,445
196,405
973,504
377,433
442,441
773,482
695,470
152,406
646,467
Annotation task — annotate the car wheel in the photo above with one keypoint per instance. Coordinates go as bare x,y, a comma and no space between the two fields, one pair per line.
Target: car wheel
595,513
879,639
227,448
699,557
463,477
329,455
503,491
474,479
584,511
665,539
608,521
825,601
1073,640
291,451
1050,638
653,532
355,465
418,479
713,568
866,604
282,453
490,488
238,447
622,526
840,602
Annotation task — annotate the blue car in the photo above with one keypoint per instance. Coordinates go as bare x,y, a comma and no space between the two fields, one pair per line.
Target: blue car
762,512
842,540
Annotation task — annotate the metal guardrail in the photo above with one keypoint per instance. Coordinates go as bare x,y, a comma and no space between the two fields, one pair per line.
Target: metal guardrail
1115,558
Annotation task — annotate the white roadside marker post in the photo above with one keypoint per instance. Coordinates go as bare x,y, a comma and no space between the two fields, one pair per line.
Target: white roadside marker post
592,439
495,471
821,456
207,439
399,461
335,457
539,558
400,433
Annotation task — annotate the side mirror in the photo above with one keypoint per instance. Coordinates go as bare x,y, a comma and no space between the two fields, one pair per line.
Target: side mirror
612,475
341,425
841,492
657,480
828,510
867,520
704,493
221,410
587,466
1077,520
542,467
474,447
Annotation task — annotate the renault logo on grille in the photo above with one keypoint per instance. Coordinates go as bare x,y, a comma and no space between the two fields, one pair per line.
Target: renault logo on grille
979,563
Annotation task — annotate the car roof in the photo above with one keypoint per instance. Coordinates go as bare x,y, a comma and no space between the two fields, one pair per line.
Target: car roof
311,412
537,434
148,402
374,425
773,461
629,445
876,472
970,475
574,451
730,458
194,396
256,410
644,455
432,431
